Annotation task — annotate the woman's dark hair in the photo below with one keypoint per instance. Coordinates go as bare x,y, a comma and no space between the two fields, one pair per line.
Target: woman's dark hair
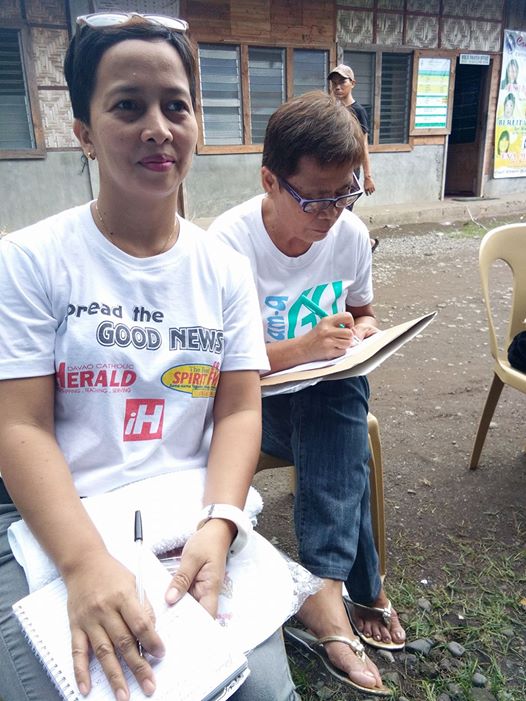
505,136
316,125
87,47
506,80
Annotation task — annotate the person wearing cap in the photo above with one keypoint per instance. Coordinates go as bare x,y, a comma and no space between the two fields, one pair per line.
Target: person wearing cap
342,83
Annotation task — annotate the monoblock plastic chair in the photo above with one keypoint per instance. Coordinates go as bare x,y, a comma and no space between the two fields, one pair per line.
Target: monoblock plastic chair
506,243
376,480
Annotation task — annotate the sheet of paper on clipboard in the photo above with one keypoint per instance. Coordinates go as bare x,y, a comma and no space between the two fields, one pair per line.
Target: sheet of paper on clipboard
360,359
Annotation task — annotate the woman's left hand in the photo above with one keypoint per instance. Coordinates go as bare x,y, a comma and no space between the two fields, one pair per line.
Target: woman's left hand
364,330
203,561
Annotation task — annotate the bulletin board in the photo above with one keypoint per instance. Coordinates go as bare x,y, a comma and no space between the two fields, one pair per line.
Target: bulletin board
432,94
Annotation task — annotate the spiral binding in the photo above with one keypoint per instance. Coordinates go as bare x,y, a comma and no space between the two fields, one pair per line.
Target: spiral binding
36,643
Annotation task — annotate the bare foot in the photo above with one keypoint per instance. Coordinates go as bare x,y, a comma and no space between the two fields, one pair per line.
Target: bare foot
371,625
324,614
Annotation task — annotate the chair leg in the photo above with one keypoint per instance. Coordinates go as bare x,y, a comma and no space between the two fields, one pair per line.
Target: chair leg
487,414
377,492
292,479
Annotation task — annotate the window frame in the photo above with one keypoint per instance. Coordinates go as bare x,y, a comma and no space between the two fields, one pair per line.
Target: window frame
244,46
374,135
39,151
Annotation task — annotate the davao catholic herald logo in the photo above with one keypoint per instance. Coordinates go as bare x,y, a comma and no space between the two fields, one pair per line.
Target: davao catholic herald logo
195,379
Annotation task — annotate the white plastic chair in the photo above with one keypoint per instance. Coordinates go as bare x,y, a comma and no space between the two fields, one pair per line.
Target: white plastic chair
506,243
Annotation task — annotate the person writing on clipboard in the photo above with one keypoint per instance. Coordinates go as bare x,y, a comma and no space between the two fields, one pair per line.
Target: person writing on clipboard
311,261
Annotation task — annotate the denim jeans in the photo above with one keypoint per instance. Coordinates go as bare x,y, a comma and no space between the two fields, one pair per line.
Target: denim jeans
269,678
22,677
322,430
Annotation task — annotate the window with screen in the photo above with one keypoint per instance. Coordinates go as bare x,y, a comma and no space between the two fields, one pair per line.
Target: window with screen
220,72
363,65
266,75
395,98
310,70
391,90
236,104
16,121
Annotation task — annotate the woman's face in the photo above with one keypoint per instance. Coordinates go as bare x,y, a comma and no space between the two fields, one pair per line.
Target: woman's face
142,128
504,144
509,106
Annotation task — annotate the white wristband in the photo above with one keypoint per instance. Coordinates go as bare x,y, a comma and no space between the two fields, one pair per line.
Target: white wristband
233,514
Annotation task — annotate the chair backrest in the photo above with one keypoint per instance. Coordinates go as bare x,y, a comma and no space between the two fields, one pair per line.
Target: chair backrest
506,243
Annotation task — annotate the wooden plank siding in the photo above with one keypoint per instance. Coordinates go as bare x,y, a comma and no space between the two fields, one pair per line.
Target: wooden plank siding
290,24
272,22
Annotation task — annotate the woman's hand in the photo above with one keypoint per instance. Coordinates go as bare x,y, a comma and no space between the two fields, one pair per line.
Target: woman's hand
105,615
330,338
203,561
364,330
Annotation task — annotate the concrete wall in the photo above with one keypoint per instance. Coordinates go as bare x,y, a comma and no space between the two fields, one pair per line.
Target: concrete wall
37,189
32,190
503,187
216,183
407,176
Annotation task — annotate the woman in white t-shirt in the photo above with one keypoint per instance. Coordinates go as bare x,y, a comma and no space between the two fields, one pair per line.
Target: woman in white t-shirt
129,347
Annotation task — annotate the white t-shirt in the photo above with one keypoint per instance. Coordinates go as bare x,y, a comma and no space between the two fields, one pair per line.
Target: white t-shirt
136,344
332,274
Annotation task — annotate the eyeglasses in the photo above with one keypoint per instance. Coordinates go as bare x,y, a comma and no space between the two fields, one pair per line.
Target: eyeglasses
321,204
101,20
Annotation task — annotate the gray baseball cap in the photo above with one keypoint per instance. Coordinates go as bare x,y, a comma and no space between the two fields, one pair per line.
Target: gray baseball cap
343,70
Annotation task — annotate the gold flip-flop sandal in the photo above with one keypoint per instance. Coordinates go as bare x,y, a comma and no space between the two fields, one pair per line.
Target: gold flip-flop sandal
382,613
305,640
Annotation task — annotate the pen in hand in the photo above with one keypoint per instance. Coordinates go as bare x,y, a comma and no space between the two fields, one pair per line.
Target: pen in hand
322,313
138,573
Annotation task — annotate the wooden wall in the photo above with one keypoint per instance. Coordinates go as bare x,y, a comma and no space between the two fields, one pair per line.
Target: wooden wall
310,22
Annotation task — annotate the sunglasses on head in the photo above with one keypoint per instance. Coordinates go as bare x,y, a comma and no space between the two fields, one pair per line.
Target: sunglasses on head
102,20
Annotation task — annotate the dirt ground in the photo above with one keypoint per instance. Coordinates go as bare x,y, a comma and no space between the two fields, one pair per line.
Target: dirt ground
428,399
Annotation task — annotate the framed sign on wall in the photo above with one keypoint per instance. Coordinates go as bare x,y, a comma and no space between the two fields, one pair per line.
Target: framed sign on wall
432,94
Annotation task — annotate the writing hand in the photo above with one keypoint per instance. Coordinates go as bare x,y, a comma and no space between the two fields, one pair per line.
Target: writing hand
106,616
330,338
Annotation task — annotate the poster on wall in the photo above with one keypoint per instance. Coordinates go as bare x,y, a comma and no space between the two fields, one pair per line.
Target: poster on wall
432,93
510,126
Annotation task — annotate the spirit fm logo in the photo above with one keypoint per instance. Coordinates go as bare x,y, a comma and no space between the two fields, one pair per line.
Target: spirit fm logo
143,419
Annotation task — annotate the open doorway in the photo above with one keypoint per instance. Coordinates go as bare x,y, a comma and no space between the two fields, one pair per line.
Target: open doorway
465,155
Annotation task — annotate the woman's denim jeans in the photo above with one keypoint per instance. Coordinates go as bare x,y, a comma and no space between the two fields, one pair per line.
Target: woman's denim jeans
322,430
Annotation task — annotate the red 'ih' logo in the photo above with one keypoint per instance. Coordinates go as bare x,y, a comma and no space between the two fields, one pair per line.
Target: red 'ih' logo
143,420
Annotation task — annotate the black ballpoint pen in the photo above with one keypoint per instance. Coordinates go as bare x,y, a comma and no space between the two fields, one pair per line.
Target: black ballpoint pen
138,573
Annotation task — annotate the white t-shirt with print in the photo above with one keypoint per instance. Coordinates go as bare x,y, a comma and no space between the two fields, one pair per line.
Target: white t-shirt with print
136,344
332,274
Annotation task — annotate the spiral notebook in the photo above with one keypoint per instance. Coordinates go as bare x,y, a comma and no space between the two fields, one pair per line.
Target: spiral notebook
200,663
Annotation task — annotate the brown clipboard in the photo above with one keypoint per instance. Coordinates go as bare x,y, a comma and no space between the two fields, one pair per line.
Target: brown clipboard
362,360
